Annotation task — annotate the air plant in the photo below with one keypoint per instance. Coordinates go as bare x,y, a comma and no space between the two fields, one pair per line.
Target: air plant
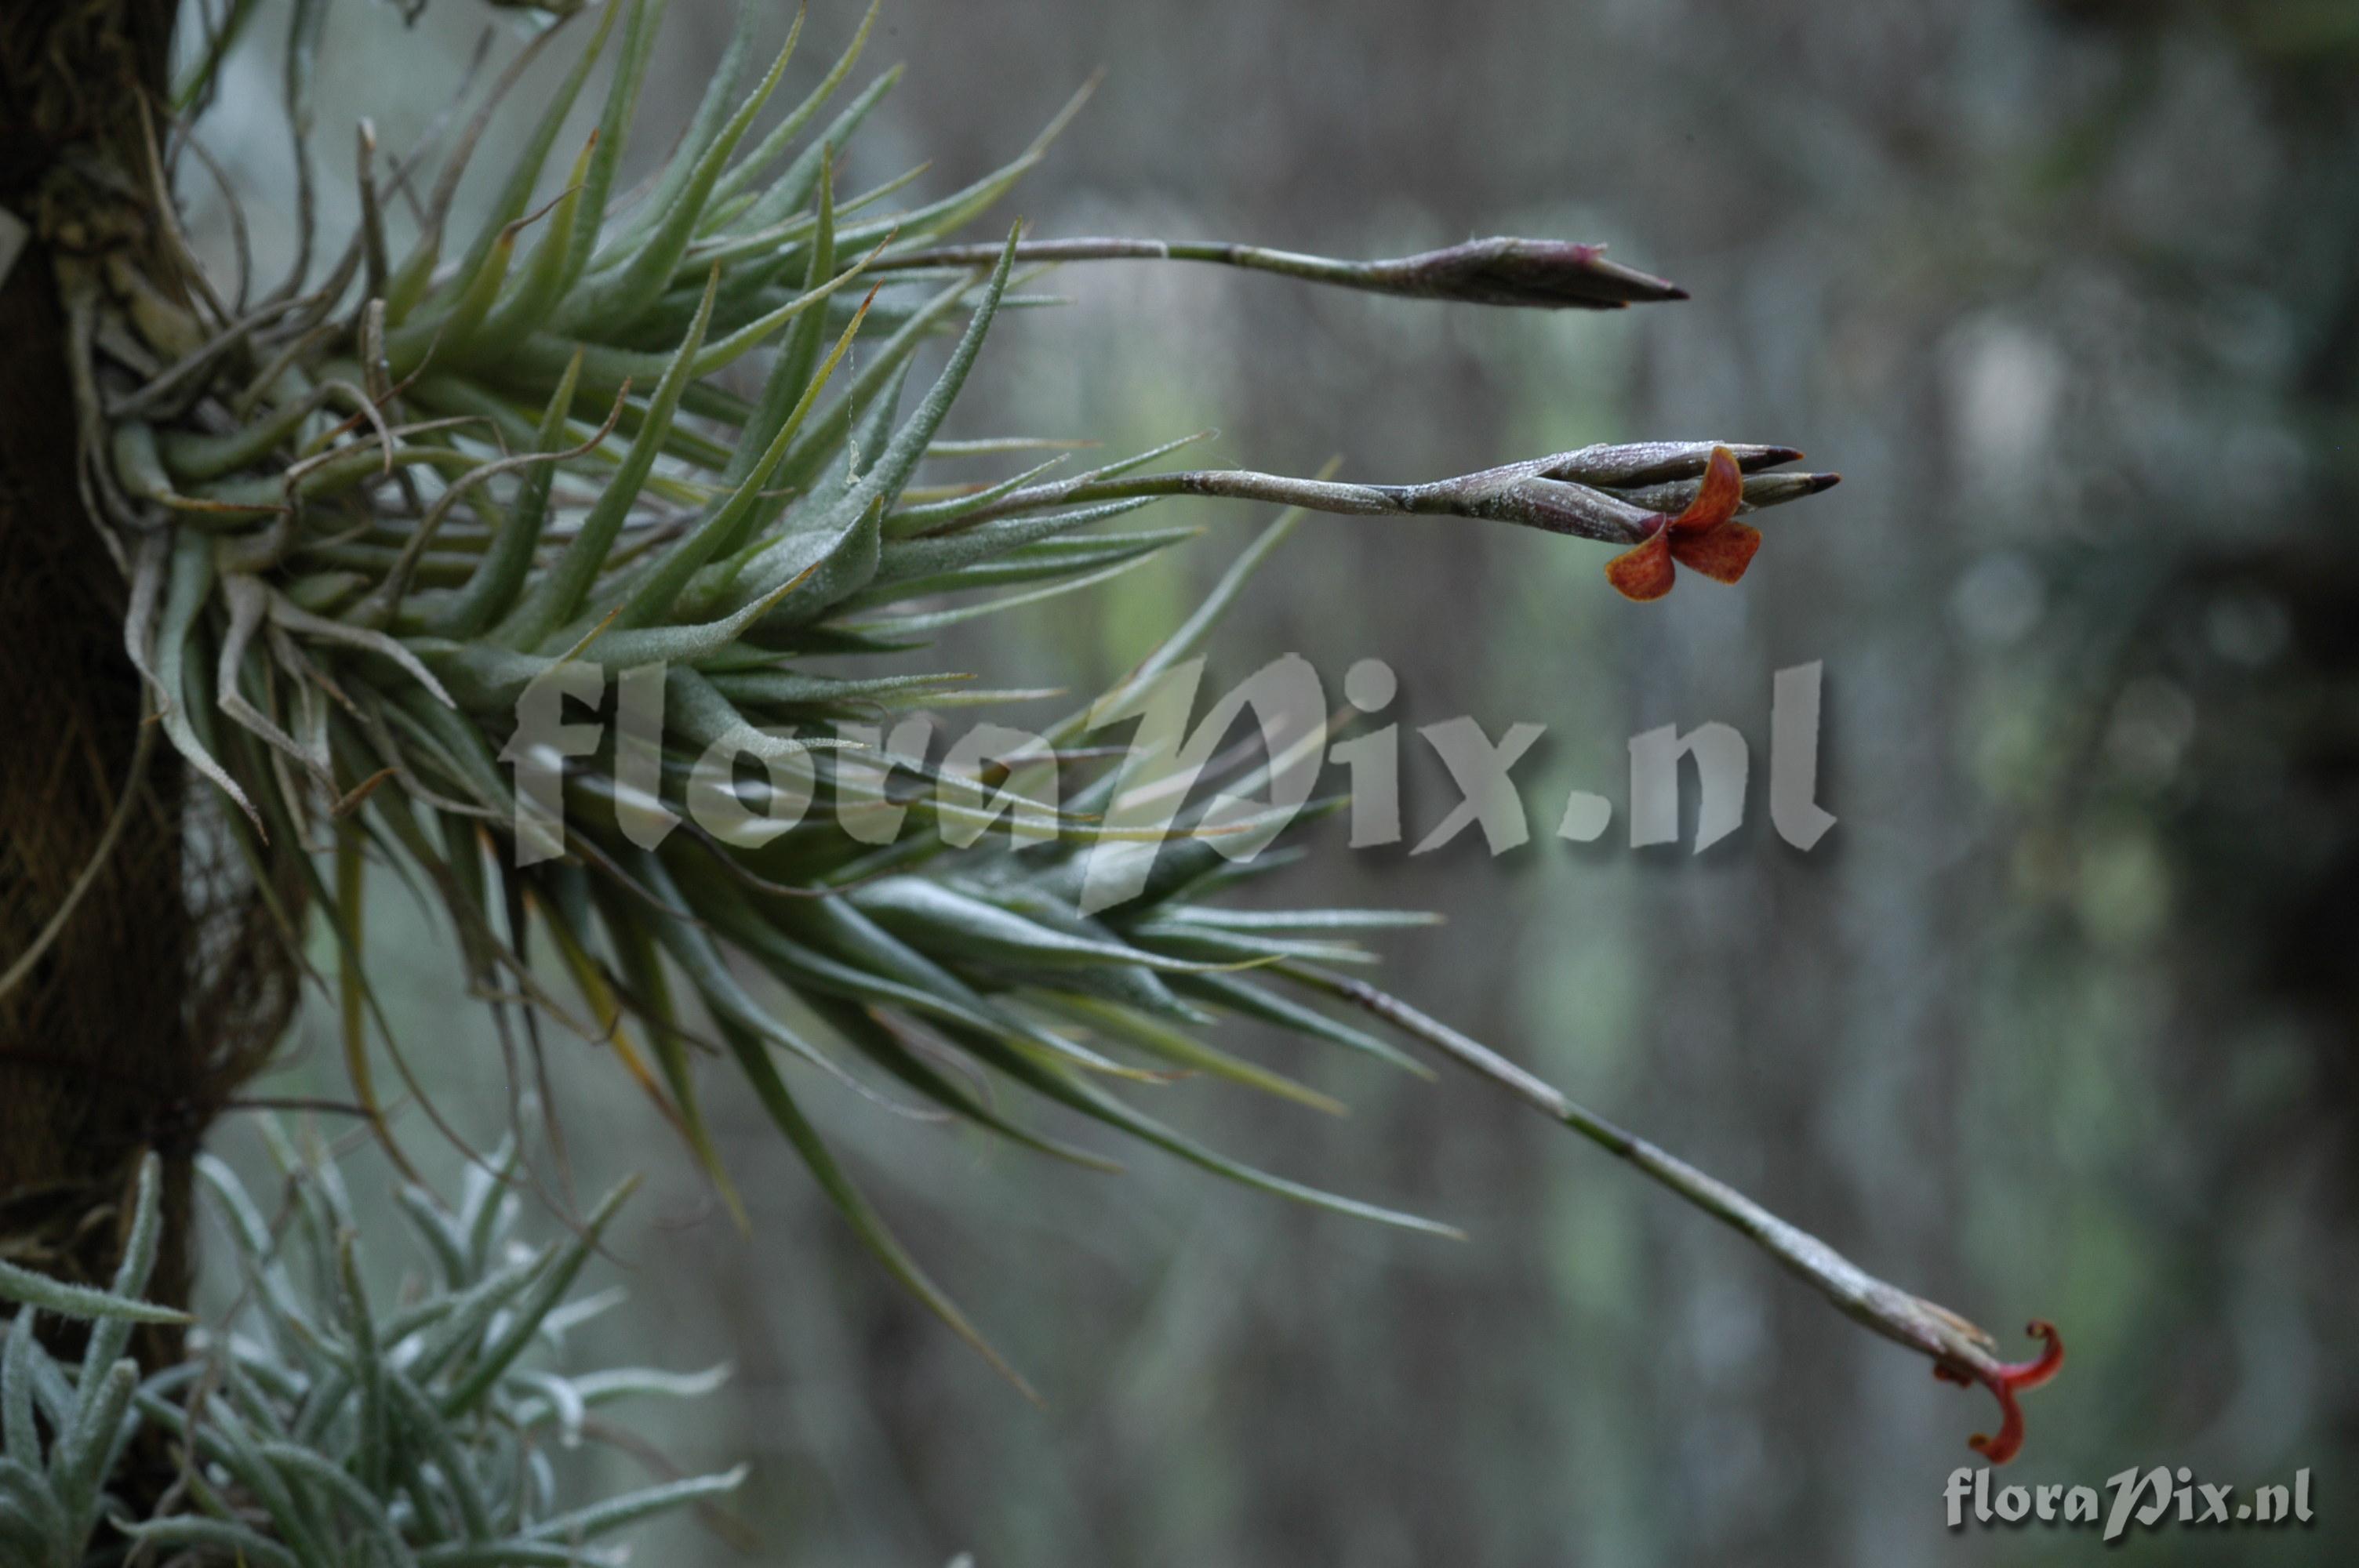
316,1426
362,518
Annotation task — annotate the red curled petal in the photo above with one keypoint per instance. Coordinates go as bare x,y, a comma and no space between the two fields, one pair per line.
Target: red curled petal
1717,502
2032,1374
2005,1381
1722,553
1645,572
2009,1442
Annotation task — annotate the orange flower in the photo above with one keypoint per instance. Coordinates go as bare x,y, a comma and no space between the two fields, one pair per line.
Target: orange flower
2007,1379
1706,537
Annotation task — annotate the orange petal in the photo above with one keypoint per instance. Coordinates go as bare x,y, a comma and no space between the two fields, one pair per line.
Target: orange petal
1716,501
1645,572
1722,554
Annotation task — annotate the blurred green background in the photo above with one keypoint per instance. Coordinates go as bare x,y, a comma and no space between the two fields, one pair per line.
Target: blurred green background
2057,1021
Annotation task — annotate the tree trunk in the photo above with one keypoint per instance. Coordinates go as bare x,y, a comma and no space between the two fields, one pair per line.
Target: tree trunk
98,1057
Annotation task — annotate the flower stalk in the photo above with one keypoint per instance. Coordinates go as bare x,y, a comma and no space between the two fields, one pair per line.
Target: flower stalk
1588,494
1501,270
1962,1352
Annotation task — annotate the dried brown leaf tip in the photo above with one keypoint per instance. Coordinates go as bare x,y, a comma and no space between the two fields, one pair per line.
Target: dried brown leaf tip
2007,1379
1705,538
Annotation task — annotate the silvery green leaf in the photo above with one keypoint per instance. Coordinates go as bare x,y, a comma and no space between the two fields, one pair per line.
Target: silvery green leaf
40,1290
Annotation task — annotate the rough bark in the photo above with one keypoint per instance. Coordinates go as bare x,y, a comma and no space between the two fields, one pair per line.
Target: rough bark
98,1060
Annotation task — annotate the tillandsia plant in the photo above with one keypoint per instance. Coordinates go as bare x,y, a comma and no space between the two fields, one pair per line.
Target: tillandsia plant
320,1425
367,520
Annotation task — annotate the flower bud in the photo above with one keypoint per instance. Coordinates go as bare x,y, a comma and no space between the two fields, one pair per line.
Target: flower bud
1623,464
1549,273
1760,490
